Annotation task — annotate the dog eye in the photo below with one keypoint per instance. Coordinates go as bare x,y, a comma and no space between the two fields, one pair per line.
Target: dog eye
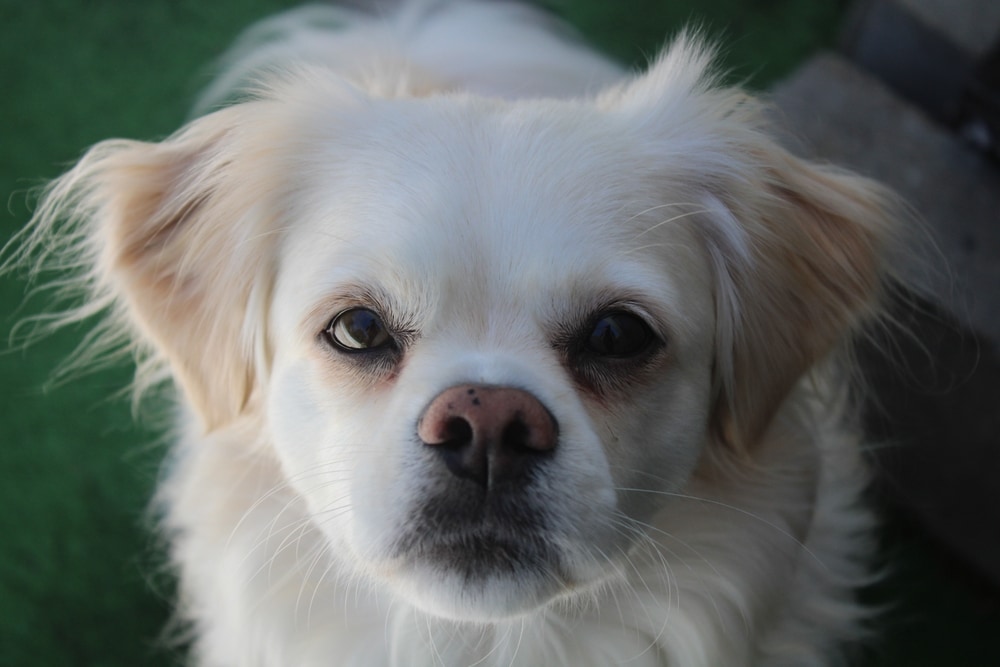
358,329
619,335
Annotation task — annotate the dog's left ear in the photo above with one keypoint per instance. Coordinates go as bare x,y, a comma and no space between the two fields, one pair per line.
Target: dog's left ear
798,249
806,272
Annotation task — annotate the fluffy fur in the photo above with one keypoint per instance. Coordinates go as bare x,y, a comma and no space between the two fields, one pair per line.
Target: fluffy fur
492,191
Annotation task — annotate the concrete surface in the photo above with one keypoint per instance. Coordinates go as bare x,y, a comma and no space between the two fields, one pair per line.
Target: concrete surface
840,114
969,23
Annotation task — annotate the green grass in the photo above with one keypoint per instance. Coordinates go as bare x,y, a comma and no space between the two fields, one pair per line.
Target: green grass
80,580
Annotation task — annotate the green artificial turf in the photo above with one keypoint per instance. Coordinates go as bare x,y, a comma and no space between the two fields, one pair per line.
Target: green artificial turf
81,579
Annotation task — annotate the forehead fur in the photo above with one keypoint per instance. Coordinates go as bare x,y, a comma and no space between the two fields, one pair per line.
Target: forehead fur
619,168
462,191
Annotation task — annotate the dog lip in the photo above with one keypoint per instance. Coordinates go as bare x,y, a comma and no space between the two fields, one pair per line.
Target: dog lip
464,506
481,554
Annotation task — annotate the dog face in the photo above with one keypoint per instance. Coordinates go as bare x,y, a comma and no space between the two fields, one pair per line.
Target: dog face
485,341
539,284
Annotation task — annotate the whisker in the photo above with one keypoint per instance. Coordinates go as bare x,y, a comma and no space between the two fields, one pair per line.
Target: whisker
739,510
667,221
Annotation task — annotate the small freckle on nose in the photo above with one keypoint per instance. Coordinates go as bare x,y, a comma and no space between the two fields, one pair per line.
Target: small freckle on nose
475,401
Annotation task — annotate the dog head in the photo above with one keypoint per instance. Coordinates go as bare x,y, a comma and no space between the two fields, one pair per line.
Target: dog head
486,339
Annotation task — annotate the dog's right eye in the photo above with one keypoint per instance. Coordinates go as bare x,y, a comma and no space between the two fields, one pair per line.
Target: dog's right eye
358,329
613,350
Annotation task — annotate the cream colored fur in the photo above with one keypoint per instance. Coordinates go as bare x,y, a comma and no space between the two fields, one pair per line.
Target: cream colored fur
488,185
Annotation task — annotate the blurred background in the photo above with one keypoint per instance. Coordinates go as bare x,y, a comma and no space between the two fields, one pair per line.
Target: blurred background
889,88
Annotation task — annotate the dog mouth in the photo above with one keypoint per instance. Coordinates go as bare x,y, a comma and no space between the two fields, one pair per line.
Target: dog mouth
480,535
483,556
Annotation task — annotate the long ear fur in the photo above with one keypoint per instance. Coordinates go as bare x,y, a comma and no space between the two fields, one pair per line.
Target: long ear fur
799,250
810,274
166,241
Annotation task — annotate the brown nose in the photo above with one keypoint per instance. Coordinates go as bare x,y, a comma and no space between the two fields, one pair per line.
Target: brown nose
489,434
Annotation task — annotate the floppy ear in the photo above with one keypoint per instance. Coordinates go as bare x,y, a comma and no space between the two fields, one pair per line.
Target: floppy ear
170,242
798,249
809,273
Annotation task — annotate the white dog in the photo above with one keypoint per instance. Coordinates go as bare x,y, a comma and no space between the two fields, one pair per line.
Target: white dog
488,353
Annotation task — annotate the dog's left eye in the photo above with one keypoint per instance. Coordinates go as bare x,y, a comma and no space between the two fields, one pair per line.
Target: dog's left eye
619,335
358,329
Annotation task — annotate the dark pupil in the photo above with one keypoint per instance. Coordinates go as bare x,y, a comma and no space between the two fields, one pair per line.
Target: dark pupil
618,335
363,329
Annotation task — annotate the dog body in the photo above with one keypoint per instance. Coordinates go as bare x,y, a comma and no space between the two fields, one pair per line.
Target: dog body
488,353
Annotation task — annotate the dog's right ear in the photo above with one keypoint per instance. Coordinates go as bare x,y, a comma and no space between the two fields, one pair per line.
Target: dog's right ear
170,240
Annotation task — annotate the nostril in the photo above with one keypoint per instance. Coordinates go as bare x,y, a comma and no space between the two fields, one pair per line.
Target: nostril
531,429
516,437
445,427
457,432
